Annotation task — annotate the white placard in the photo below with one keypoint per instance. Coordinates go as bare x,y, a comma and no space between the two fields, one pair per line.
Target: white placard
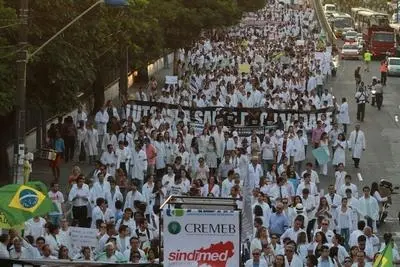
300,43
211,238
171,79
319,56
83,237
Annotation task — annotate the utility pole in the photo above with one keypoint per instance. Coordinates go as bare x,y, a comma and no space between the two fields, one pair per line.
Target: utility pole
20,102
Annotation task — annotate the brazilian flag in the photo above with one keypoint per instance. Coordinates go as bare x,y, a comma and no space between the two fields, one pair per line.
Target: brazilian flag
19,203
385,259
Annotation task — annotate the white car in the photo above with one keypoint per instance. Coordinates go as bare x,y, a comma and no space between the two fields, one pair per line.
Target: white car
350,36
350,51
393,66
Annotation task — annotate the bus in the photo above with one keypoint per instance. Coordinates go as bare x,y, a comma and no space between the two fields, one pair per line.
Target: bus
339,22
379,37
354,14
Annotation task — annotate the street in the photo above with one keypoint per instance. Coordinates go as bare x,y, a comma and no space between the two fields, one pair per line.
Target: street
381,160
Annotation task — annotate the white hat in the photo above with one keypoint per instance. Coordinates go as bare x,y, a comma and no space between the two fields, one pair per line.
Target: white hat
235,134
299,207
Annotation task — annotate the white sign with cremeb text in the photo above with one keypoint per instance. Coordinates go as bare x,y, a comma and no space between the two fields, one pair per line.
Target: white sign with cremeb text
83,237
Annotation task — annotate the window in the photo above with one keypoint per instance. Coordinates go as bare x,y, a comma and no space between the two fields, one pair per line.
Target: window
350,47
383,37
343,23
330,8
394,61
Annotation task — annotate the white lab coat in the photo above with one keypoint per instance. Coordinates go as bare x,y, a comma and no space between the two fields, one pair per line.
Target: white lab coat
368,207
254,175
298,148
138,164
131,197
289,148
81,138
126,136
101,120
110,160
358,145
112,199
343,116
99,191
92,138
339,156
109,139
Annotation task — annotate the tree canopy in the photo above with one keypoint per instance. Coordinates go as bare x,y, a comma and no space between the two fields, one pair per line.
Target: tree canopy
81,59
8,24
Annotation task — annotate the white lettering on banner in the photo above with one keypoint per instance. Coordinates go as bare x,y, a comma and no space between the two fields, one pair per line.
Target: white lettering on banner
242,116
83,237
212,238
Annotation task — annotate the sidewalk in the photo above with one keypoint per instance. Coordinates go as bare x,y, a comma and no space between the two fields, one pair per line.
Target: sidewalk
41,170
160,77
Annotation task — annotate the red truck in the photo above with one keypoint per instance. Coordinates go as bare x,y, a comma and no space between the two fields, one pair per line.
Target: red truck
380,41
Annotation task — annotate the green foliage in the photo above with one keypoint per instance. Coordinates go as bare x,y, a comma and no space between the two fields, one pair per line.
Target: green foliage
182,21
83,55
251,5
8,19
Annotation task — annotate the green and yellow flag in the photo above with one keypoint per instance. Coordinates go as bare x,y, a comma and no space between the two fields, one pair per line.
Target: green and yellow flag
19,203
385,259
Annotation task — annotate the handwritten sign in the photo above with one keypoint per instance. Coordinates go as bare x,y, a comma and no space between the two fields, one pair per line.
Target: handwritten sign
244,68
83,237
171,79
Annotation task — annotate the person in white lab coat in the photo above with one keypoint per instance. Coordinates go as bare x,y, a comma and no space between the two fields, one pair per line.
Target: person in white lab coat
256,260
109,158
81,116
92,138
343,116
299,143
124,155
125,136
368,208
113,196
81,136
101,120
132,196
254,173
285,147
138,164
339,154
109,138
357,144
99,189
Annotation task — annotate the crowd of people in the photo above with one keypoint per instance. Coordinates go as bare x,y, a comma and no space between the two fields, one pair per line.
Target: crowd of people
138,165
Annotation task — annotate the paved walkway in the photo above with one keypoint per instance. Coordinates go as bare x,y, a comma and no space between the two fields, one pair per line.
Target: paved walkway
41,169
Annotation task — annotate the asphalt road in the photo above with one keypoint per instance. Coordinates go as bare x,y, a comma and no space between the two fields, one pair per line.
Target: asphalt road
381,160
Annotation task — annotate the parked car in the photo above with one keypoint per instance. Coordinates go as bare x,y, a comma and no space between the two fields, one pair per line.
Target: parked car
350,36
350,51
393,66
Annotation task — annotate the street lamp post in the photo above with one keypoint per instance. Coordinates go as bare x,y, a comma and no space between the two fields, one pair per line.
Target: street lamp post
22,60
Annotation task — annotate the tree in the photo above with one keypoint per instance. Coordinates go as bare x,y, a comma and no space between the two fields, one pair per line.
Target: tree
251,5
182,21
8,26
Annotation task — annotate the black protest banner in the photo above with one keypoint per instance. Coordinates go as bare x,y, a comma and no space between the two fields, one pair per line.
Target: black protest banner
235,116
